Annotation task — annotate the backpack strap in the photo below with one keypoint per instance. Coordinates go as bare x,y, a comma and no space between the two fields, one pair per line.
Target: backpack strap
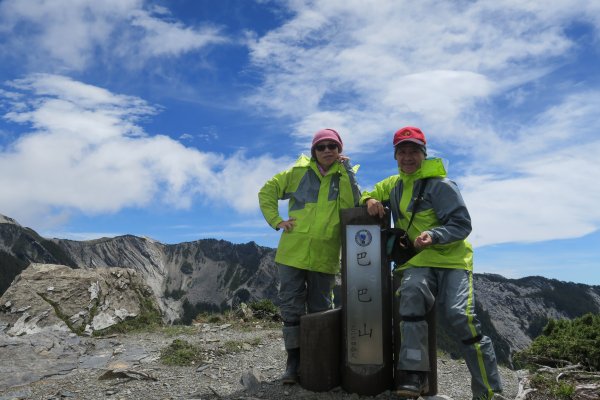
395,201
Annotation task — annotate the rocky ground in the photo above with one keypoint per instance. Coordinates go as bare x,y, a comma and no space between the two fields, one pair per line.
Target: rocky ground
239,361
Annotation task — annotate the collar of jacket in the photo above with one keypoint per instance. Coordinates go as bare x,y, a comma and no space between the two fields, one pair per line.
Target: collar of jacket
302,161
430,168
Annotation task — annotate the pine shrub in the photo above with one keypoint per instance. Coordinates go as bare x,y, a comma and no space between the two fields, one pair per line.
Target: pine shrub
576,341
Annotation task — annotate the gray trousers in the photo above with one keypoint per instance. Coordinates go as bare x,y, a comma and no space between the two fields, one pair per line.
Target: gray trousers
300,292
453,290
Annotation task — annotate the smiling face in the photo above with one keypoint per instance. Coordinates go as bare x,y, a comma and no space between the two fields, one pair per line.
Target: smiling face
409,157
326,152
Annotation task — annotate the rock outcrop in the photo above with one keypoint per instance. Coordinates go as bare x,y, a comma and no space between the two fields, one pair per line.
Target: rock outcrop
47,297
49,312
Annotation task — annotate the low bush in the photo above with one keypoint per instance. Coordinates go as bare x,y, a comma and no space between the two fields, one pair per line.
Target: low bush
265,309
180,352
574,341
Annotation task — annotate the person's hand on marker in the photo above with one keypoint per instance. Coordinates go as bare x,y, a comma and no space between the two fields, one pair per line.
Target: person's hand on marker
375,208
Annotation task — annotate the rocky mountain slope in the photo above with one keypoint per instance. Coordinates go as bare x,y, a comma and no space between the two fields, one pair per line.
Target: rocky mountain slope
213,275
239,360
514,311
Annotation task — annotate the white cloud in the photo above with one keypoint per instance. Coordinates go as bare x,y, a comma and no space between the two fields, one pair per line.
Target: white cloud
171,38
69,35
454,91
535,184
87,154
428,63
531,200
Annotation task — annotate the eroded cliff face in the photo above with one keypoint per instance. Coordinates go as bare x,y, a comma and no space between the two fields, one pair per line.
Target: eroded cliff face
217,275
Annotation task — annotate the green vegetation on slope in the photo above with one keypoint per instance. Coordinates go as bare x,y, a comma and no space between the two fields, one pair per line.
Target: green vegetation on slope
575,341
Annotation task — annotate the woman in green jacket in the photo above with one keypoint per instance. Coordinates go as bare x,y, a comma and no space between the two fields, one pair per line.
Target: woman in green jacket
440,272
308,254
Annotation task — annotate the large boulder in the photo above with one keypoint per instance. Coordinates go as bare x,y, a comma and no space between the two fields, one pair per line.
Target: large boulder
48,297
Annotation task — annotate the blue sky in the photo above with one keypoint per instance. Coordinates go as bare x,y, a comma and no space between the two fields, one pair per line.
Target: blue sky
164,118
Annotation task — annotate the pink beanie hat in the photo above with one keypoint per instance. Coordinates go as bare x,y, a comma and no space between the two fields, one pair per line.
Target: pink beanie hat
327,134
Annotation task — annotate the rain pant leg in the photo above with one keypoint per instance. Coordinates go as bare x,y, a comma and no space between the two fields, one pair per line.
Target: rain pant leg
417,297
320,291
456,303
301,289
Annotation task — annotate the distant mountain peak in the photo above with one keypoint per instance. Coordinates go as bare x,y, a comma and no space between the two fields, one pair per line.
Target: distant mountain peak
7,220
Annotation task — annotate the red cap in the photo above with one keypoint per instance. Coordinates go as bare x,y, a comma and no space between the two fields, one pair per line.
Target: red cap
409,134
327,134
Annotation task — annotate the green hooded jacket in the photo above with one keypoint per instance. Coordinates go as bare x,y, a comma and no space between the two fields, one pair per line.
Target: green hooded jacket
442,212
315,202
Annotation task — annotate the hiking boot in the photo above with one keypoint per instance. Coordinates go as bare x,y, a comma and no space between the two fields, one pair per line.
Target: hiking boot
290,376
413,384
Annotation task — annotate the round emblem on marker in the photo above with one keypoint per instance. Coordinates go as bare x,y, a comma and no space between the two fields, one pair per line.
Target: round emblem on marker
363,238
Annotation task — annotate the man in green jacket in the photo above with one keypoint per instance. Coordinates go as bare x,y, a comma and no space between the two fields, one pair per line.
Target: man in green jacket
442,269
308,254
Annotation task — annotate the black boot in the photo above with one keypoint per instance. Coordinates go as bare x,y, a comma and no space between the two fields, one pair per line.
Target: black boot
290,376
413,384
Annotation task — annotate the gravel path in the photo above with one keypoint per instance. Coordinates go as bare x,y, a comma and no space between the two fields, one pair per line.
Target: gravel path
232,357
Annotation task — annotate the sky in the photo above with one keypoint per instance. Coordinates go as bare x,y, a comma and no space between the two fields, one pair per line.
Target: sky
163,119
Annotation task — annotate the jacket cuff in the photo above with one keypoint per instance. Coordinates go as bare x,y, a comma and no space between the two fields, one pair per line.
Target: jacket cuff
274,224
434,237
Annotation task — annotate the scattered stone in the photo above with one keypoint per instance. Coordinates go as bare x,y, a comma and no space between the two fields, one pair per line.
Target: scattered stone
65,394
246,312
127,374
202,367
251,380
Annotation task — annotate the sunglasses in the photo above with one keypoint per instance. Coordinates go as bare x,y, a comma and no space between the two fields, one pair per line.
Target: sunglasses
330,146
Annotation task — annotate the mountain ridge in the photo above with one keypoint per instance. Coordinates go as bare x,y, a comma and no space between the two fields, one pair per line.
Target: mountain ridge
215,275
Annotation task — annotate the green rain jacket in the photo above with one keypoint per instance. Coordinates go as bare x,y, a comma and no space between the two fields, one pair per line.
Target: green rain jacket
442,212
315,201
